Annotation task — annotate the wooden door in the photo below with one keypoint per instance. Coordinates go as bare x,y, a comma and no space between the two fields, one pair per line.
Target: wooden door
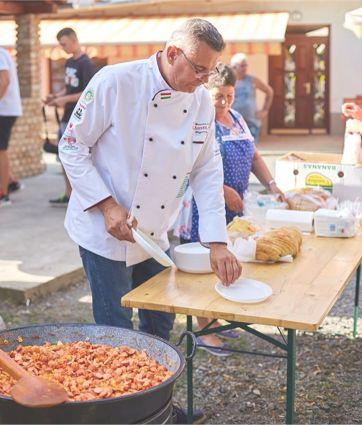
299,77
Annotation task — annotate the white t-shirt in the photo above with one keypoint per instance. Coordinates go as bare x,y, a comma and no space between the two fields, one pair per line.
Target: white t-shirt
10,103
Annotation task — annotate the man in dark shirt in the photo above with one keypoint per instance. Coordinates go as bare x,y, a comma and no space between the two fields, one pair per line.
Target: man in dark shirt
78,71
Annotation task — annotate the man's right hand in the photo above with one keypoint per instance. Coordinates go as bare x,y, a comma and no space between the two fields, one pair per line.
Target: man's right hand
224,264
116,219
233,200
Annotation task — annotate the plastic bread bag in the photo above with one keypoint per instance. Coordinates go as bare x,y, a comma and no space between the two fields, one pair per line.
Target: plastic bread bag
282,244
245,251
256,204
353,208
243,227
310,199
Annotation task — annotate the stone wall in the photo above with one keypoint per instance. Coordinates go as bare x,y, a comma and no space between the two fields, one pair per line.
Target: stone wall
25,150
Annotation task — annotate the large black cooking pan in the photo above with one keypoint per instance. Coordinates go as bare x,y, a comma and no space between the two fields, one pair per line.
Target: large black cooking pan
134,408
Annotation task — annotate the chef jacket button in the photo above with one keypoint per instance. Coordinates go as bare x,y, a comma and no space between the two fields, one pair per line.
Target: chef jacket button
138,206
182,142
155,105
145,174
174,177
152,233
162,207
185,111
150,139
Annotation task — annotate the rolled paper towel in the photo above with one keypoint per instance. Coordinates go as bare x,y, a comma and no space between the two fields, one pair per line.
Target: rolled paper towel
352,149
301,219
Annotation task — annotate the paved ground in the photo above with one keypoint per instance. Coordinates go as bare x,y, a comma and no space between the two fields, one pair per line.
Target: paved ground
36,254
313,143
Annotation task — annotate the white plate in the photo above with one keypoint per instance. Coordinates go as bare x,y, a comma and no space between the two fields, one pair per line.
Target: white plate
193,271
152,248
192,258
245,291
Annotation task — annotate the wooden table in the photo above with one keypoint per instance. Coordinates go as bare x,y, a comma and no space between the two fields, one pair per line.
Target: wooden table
303,293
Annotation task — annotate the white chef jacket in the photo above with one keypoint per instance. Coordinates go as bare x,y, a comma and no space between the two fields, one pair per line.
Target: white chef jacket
134,138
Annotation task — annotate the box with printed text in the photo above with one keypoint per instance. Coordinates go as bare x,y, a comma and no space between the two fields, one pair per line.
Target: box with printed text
313,169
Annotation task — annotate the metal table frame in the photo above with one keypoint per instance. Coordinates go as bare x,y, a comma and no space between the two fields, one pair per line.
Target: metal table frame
288,346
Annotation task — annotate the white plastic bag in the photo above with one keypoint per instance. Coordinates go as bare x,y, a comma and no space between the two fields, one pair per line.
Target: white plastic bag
245,251
256,205
352,149
310,199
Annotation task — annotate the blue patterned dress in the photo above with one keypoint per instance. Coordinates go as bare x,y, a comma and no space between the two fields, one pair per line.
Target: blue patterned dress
237,151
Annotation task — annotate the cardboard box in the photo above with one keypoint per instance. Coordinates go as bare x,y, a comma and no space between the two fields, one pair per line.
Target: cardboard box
311,169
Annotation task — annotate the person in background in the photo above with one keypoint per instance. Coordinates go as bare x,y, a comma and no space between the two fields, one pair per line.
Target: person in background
240,158
14,185
79,70
352,110
10,109
245,95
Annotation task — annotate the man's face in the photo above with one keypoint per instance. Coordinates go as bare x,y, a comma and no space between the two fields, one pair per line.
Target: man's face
240,69
191,67
68,43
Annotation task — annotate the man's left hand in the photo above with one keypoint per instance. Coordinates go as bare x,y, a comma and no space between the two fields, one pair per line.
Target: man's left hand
224,264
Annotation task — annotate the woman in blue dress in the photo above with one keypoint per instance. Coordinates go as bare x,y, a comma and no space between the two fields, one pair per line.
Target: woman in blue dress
240,158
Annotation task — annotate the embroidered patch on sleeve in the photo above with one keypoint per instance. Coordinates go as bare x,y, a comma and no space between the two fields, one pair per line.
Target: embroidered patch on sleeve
78,113
88,96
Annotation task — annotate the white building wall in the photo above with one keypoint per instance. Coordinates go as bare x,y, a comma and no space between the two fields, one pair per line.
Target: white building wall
345,48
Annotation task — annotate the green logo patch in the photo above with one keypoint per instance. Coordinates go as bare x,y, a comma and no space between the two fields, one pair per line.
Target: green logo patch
89,96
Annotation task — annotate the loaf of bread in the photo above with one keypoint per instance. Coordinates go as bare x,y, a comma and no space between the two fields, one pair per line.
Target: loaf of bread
308,199
278,243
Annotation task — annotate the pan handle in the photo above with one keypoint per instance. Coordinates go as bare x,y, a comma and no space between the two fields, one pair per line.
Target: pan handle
193,340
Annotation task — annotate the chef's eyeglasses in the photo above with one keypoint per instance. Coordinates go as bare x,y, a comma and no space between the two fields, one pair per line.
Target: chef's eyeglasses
199,72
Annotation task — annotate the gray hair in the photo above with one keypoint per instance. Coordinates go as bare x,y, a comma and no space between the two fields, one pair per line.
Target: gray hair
195,30
224,76
238,58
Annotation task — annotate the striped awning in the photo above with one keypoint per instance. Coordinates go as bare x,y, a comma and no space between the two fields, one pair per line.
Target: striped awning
258,32
353,21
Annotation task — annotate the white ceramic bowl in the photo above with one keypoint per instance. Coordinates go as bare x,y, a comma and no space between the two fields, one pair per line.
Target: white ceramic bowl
192,258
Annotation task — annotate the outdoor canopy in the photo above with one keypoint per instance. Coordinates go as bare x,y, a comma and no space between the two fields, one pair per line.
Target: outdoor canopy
260,32
353,21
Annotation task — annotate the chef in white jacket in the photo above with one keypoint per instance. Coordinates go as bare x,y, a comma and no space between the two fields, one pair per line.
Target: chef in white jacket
140,134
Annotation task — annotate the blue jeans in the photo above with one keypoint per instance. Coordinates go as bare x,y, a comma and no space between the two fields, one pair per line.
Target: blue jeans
110,280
